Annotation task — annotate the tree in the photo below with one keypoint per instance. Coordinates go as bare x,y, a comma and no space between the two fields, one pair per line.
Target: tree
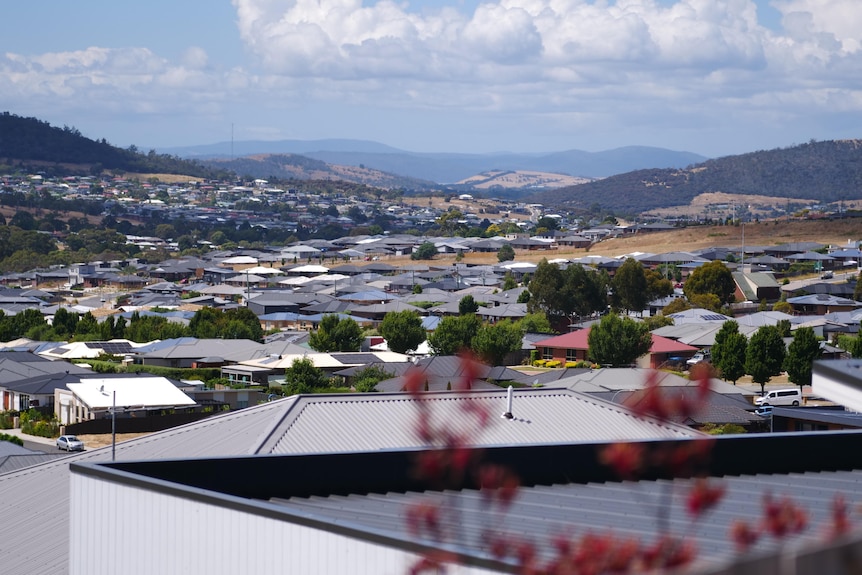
658,286
783,307
303,377
801,353
728,351
535,323
454,334
334,334
467,305
402,330
493,342
857,291
764,356
185,242
87,327
711,278
366,380
509,281
656,321
630,286
545,287
677,305
708,301
618,341
64,323
505,253
425,251
165,231
560,294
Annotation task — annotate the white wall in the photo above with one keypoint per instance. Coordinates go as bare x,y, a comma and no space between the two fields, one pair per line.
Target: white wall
117,528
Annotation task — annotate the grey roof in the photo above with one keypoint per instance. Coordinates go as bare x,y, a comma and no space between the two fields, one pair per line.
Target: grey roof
698,334
363,422
626,509
697,315
38,542
629,379
822,299
10,463
192,348
18,366
9,448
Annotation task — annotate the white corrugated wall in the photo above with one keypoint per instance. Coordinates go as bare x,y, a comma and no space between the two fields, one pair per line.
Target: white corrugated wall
116,528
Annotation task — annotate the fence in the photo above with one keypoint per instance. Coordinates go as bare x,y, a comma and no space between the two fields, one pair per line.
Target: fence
135,424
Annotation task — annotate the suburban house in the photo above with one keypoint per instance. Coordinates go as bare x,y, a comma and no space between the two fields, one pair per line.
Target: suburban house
756,286
94,398
574,346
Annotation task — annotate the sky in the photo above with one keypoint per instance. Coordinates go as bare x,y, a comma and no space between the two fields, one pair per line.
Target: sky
714,77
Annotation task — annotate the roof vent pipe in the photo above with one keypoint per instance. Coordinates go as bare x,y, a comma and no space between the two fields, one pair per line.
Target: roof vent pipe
508,413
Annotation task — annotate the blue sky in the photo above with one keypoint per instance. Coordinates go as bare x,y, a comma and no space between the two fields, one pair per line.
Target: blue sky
715,77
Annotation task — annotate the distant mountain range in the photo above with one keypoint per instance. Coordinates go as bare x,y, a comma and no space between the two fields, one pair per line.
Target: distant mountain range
29,140
829,171
449,168
632,180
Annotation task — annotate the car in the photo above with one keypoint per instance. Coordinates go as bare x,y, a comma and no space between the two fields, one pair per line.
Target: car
70,443
699,357
826,275
792,397
764,411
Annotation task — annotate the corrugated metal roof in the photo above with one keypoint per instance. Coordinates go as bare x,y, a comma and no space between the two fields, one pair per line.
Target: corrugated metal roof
38,496
332,423
37,541
626,509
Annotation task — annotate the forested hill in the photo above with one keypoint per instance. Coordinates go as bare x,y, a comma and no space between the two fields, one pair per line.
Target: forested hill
293,166
824,171
32,140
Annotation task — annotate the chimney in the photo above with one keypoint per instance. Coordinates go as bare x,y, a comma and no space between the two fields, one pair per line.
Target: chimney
508,413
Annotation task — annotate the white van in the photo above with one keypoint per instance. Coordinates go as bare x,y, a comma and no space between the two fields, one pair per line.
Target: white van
781,397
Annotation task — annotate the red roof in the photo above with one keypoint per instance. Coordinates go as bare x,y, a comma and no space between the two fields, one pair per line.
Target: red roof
578,340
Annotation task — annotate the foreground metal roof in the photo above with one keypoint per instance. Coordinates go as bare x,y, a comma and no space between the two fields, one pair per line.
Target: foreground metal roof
37,540
363,422
626,510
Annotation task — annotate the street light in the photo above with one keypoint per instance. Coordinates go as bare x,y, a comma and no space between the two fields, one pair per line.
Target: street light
113,422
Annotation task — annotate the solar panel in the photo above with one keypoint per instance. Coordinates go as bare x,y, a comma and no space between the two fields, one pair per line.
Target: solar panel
113,348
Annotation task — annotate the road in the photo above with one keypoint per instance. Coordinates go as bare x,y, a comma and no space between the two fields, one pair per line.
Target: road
43,444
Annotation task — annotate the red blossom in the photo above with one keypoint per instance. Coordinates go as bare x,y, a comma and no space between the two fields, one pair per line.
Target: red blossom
840,517
702,497
498,483
414,381
669,553
783,516
626,459
424,518
743,535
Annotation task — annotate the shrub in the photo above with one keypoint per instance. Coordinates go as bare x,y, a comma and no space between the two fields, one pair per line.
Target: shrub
11,439
539,363
6,420
553,363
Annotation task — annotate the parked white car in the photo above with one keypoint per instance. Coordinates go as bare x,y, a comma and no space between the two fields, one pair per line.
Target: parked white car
700,356
70,443
781,397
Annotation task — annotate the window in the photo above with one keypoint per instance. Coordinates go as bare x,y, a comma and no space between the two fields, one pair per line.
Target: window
547,353
571,355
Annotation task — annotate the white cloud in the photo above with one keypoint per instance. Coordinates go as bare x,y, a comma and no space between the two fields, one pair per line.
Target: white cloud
567,64
814,19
